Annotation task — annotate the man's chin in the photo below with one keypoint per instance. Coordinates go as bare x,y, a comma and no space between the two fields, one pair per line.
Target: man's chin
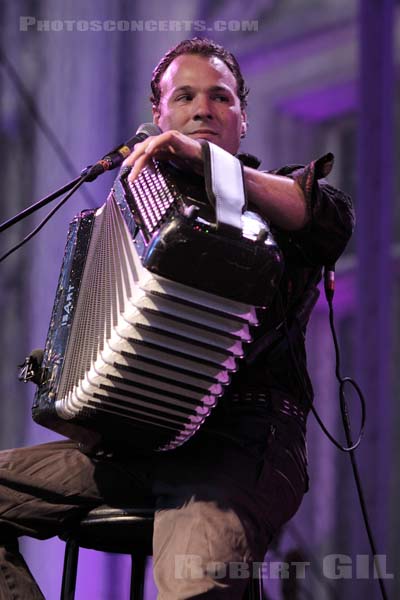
210,137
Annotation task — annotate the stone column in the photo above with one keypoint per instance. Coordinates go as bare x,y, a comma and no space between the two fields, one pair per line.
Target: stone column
374,276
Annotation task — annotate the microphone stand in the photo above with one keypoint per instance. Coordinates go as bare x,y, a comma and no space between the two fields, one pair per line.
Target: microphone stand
110,161
84,176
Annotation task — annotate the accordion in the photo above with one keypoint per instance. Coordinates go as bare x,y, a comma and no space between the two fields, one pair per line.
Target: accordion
155,304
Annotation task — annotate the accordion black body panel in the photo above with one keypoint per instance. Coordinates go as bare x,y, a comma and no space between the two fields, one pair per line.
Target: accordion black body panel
154,307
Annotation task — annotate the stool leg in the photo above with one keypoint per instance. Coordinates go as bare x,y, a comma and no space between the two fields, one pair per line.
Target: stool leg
70,570
137,576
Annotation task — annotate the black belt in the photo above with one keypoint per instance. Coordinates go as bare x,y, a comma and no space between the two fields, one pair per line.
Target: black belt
279,403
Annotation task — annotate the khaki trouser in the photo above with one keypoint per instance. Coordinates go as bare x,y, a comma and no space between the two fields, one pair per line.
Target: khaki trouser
217,503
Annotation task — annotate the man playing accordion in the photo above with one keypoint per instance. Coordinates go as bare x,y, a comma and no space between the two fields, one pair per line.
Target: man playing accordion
222,495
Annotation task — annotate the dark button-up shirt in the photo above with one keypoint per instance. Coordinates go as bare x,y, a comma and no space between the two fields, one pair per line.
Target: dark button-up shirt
306,251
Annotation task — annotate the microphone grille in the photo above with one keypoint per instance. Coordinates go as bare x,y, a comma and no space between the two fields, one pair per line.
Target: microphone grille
148,129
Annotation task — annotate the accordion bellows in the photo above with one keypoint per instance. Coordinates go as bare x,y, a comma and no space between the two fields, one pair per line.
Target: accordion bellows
133,355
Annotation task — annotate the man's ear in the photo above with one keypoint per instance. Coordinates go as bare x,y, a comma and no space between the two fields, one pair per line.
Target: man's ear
156,115
243,129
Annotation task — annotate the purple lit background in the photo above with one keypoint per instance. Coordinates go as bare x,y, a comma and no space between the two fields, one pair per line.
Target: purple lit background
323,77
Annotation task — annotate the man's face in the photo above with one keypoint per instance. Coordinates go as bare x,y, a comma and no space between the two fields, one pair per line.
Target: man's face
199,98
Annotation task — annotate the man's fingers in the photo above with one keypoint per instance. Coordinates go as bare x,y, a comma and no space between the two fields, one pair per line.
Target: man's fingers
138,150
166,146
138,165
157,146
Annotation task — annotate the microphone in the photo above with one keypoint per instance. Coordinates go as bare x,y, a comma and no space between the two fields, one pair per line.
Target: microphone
114,159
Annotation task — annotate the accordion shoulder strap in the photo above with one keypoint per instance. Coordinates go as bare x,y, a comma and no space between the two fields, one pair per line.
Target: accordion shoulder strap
223,174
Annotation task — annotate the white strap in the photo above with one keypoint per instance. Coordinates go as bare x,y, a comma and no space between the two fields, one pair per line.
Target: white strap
227,186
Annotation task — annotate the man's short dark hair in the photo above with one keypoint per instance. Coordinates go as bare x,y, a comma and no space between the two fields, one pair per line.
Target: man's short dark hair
202,47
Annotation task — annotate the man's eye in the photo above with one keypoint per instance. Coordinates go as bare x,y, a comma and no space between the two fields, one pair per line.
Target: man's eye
221,98
184,97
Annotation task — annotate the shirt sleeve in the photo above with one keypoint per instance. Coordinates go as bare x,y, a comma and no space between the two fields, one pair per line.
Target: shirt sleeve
331,216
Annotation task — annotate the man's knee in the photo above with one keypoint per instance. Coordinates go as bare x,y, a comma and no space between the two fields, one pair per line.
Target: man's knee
198,548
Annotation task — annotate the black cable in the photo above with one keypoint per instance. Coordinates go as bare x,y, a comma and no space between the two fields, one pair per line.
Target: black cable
351,447
356,474
44,221
342,382
343,405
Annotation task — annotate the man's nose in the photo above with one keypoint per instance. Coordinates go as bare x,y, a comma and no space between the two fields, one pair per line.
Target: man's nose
202,108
